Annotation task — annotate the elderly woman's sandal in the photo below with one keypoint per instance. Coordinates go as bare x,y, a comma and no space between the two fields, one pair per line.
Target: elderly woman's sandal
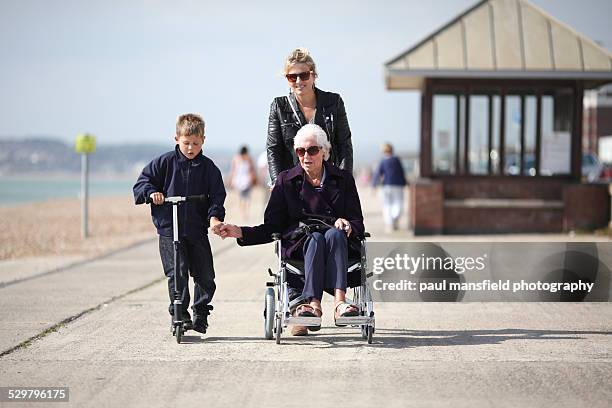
318,313
302,310
306,310
345,309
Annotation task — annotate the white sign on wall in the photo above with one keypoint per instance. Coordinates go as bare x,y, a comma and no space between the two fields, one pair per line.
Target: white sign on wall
556,156
605,149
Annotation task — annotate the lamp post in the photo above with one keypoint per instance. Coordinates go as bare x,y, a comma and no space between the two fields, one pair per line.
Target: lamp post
85,144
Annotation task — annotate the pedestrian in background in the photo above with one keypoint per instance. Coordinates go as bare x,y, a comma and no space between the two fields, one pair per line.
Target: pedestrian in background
242,178
390,174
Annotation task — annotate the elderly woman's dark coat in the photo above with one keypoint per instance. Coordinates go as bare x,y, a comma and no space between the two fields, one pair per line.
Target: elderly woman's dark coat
293,199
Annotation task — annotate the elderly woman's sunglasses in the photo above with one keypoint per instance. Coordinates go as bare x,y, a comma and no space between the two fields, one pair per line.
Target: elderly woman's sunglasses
312,151
304,76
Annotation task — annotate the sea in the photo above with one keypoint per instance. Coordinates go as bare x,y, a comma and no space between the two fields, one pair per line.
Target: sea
27,189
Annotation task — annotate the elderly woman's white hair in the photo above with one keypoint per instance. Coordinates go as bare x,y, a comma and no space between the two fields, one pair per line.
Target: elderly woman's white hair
316,131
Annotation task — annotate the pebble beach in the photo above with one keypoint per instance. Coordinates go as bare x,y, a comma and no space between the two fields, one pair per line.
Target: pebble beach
53,227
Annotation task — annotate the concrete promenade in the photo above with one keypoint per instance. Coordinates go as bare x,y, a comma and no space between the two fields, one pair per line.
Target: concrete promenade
100,327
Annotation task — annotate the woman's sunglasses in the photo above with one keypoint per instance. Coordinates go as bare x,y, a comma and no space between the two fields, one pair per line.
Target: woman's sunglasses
304,76
312,151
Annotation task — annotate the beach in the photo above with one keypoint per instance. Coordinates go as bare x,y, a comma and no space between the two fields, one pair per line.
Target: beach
53,227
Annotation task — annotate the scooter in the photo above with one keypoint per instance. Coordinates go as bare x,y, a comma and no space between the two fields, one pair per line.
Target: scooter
178,328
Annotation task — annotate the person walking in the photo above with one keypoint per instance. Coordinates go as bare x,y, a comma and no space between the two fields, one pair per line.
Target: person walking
243,178
390,174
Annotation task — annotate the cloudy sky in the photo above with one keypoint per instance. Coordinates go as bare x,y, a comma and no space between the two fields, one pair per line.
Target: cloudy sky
125,69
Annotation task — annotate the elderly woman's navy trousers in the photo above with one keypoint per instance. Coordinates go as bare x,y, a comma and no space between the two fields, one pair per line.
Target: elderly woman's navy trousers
325,262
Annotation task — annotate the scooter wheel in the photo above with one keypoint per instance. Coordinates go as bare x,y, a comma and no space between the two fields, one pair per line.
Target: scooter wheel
179,334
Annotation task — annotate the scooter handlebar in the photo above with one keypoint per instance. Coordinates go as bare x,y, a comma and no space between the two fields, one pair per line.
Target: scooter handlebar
178,199
201,197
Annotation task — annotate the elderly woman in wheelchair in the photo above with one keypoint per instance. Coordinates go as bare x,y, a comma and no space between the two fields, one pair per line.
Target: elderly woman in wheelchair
315,209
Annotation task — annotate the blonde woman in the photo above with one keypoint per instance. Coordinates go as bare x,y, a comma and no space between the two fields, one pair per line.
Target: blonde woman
305,104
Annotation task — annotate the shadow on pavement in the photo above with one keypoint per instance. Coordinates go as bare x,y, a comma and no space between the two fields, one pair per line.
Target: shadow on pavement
234,339
401,338
192,339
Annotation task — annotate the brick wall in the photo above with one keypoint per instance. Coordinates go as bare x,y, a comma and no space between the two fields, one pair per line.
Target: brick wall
502,220
504,187
586,207
427,207
574,206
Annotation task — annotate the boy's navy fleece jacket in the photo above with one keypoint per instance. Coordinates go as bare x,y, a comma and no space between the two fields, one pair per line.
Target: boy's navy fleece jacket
174,175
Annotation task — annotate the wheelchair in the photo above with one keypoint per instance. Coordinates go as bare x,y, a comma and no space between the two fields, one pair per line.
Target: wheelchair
278,306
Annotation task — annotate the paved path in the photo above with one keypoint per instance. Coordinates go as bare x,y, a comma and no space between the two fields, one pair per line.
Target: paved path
115,348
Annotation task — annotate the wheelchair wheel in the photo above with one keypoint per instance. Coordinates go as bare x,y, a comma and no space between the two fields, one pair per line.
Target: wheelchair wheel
269,314
370,331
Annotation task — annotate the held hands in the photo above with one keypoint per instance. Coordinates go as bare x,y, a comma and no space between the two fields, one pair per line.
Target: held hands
343,225
158,198
214,224
226,230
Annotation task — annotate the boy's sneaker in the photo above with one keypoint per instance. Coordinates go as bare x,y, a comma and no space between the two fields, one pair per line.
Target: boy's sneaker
200,323
187,322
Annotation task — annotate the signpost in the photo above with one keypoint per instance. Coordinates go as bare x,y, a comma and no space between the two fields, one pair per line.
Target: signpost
85,144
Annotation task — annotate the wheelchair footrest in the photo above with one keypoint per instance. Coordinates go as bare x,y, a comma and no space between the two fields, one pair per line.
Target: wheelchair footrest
302,321
354,320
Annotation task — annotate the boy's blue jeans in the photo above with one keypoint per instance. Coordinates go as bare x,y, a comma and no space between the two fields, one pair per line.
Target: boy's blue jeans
195,260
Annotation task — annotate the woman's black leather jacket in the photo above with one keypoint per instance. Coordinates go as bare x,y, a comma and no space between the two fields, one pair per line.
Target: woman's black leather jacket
283,125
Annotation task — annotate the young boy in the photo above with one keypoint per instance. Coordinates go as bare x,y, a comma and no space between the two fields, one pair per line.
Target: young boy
183,172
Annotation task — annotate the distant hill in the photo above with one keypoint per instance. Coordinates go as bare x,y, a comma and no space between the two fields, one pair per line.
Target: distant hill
44,155
36,155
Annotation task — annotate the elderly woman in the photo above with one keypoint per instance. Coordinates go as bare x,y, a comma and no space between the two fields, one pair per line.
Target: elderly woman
313,189
306,104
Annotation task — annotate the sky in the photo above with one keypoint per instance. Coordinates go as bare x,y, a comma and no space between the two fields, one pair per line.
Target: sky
123,70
